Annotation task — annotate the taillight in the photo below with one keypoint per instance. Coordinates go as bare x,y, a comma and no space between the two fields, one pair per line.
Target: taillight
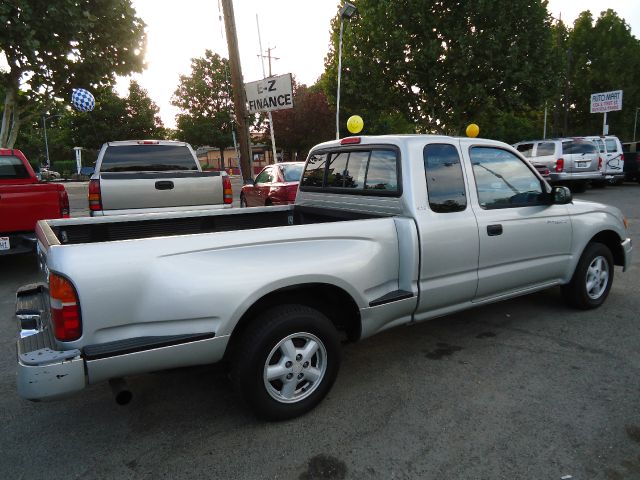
599,163
622,157
559,165
65,309
95,200
227,192
291,192
64,203
350,140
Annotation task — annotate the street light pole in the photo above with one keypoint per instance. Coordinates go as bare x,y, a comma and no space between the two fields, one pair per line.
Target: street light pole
46,143
635,123
347,11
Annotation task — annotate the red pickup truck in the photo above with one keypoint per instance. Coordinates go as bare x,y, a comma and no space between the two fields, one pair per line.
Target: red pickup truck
23,201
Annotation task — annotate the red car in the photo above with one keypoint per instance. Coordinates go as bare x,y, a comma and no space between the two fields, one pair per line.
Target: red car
275,185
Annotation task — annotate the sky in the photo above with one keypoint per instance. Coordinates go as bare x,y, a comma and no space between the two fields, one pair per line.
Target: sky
297,30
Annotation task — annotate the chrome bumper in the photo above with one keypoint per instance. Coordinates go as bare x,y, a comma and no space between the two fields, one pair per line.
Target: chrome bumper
44,372
627,248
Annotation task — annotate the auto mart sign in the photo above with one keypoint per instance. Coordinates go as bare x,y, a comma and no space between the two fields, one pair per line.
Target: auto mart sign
606,101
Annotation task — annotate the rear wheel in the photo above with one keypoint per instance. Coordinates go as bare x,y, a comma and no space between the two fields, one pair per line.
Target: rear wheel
592,279
286,362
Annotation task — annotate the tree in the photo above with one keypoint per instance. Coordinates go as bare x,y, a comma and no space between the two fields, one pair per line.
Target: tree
204,98
441,65
115,118
309,122
52,47
605,56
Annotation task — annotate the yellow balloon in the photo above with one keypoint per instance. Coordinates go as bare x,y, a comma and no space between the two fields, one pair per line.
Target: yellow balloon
355,123
473,130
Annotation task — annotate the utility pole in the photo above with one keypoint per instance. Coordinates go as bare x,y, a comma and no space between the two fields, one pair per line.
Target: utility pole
239,95
269,56
273,136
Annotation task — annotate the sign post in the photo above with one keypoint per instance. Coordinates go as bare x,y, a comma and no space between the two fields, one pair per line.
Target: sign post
606,102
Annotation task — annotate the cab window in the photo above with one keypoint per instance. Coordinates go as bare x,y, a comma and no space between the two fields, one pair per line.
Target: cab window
546,148
266,176
445,183
503,180
525,149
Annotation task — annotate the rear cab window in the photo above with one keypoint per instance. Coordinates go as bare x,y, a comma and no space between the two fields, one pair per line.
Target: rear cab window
545,149
365,170
147,158
11,167
445,183
612,146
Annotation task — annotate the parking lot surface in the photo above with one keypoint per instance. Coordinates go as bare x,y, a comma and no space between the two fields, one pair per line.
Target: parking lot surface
526,388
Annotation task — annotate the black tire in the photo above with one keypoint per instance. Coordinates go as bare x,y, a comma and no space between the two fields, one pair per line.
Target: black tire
290,392
243,202
578,187
577,292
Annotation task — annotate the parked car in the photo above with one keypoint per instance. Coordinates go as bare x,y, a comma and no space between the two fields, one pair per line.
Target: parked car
631,161
275,185
23,201
385,231
141,176
542,169
571,161
610,150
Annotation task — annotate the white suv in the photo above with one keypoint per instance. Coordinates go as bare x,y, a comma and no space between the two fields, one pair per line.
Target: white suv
574,161
612,157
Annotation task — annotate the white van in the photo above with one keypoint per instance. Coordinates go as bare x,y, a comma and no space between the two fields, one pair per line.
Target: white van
612,156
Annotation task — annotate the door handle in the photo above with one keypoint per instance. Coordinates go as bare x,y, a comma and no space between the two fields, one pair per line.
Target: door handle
164,185
493,230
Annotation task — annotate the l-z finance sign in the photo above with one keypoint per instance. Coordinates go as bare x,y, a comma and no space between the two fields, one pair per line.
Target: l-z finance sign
273,93
606,101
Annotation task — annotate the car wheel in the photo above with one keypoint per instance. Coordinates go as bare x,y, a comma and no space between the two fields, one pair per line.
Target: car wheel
286,362
243,202
592,278
579,187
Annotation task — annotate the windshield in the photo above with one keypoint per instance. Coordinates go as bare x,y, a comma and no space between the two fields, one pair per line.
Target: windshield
147,158
12,167
292,173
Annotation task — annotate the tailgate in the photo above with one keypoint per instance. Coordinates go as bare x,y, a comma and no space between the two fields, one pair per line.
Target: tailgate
21,206
129,190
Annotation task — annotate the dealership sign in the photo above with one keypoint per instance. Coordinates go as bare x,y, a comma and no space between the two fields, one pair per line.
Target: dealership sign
273,93
606,101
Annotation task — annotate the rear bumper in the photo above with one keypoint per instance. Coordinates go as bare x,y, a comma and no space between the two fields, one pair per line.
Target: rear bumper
44,372
575,177
24,242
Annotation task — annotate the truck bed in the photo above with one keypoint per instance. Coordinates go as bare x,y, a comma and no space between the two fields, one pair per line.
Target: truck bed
133,227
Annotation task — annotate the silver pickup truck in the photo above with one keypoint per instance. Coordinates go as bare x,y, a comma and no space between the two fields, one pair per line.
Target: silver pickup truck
385,231
136,176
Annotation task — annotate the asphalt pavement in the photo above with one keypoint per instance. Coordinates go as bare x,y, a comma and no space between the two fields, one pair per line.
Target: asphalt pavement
523,389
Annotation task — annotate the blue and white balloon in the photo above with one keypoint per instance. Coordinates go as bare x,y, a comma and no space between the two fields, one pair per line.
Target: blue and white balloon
83,100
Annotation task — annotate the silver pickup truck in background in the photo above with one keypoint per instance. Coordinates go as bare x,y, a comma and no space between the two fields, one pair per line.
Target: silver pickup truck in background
385,231
137,176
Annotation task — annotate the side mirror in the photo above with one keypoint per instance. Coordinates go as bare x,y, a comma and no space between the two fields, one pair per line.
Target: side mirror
561,195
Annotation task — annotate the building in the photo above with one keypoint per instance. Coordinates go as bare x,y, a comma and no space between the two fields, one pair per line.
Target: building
209,158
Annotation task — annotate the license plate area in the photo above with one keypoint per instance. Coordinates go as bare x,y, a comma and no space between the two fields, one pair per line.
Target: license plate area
582,164
4,243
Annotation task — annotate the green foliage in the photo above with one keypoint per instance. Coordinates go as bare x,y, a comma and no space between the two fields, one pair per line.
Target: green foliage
206,117
309,122
438,66
52,47
604,56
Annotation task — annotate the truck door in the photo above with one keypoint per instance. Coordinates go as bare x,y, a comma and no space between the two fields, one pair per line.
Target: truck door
524,241
448,232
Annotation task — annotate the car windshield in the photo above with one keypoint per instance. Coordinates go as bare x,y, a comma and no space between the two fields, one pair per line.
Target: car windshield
147,158
292,173
11,167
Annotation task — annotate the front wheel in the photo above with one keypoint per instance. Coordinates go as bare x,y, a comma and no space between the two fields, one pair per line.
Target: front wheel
592,279
286,362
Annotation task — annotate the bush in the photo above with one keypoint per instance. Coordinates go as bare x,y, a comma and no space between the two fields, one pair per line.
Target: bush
65,167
